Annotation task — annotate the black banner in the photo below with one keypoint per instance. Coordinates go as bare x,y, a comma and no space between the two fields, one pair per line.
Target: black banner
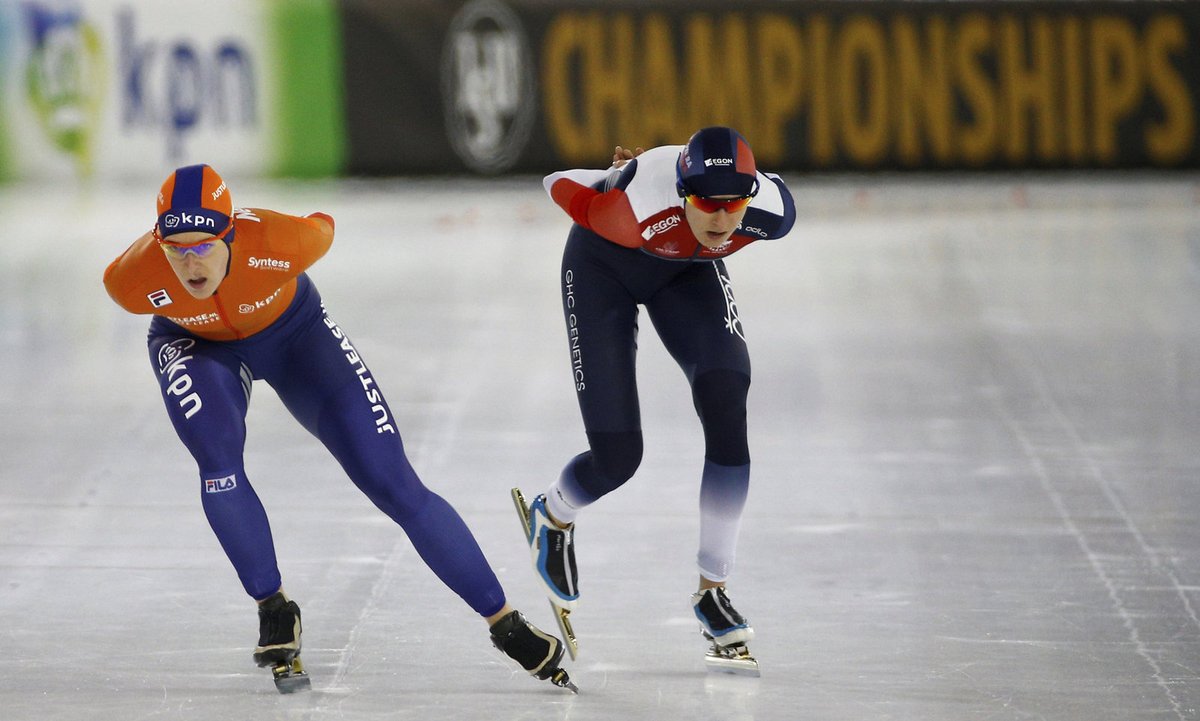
492,86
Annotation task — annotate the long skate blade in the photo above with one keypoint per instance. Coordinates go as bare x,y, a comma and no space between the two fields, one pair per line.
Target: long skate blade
736,660
290,678
564,624
522,510
560,615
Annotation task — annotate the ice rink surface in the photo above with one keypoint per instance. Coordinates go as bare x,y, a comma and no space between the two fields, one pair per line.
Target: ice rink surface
975,423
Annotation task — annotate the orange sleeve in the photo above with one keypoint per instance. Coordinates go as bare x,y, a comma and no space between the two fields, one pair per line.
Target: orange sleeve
323,216
110,275
121,275
323,224
310,236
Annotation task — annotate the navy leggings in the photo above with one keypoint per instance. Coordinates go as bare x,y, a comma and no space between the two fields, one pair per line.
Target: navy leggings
327,387
692,308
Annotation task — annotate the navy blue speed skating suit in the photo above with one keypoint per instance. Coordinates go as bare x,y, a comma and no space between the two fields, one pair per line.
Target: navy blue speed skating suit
631,245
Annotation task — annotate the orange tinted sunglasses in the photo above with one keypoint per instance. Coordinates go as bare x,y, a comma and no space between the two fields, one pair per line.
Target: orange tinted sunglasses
712,205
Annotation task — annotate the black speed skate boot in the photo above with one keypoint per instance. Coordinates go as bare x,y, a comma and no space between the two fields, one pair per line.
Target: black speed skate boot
279,643
727,630
538,652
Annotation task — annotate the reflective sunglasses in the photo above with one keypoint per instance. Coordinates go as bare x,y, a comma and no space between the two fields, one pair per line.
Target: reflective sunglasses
179,251
712,205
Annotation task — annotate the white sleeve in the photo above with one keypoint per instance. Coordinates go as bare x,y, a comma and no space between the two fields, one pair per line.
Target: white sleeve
583,176
769,198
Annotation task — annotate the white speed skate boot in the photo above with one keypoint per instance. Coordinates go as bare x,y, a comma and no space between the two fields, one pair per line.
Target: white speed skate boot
728,632
553,551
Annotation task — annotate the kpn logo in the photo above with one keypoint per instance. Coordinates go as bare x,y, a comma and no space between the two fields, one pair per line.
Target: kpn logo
64,78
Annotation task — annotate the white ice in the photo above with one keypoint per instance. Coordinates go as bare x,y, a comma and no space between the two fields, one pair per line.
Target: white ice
974,420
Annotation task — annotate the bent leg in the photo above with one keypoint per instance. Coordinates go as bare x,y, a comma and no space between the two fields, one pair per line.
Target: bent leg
206,390
610,461
602,325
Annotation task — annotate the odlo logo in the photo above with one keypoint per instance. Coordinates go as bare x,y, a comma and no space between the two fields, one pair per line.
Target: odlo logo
733,324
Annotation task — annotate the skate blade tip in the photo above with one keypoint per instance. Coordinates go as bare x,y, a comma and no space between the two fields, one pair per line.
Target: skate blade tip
562,680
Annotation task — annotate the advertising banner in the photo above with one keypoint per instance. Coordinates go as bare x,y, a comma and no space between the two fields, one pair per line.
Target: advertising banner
518,85
114,88
119,88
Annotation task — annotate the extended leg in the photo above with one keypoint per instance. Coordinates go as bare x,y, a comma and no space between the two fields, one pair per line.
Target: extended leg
333,394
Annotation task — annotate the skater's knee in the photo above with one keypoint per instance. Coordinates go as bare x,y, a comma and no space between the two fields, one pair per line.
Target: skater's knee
617,455
614,459
402,502
396,490
720,398
217,458
720,395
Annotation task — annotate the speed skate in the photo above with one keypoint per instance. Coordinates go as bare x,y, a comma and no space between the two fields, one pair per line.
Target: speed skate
727,632
278,649
561,615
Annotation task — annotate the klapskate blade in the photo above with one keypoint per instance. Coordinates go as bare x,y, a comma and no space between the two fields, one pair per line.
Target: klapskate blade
291,678
740,665
522,509
564,624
